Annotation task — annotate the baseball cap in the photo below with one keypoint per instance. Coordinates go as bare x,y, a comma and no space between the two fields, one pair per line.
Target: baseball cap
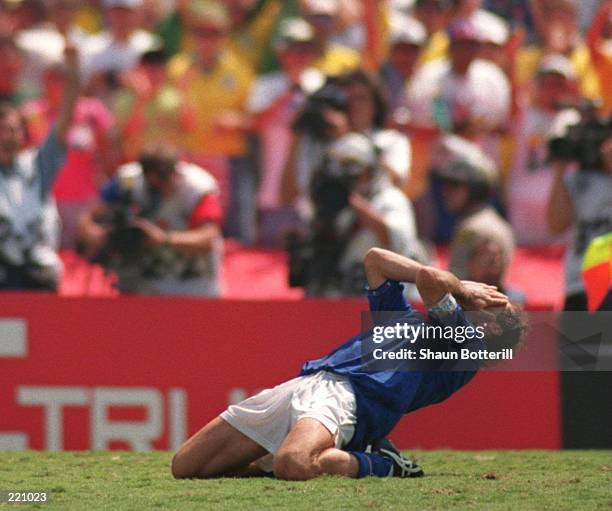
128,4
407,30
354,147
463,29
558,64
490,27
294,30
325,7
209,13
463,161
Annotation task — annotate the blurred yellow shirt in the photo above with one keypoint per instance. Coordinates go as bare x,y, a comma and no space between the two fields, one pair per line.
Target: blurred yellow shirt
602,61
88,19
223,89
436,47
338,60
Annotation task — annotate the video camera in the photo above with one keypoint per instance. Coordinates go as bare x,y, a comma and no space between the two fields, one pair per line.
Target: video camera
581,142
312,119
126,242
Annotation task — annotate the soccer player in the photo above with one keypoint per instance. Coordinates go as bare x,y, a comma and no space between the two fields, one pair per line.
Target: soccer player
323,421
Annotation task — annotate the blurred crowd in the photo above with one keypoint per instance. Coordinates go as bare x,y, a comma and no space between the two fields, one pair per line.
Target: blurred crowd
324,126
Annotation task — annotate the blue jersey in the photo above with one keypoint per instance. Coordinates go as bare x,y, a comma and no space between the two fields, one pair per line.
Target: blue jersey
383,396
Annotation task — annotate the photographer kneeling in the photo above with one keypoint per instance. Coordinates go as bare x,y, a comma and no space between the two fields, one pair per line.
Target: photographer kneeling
158,226
356,207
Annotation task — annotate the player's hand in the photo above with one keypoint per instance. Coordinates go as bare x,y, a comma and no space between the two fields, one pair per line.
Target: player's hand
155,235
479,296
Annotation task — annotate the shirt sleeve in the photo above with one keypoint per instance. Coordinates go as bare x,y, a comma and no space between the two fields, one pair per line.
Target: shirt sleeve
207,210
388,297
49,160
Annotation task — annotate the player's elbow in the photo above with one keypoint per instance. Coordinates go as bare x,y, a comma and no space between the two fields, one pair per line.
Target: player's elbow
373,258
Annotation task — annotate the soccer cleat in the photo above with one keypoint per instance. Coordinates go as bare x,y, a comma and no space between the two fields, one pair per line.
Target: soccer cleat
402,466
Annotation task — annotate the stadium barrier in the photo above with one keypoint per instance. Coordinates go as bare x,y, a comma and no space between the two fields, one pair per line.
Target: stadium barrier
143,373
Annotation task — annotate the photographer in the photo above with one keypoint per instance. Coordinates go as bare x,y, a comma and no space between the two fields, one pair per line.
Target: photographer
157,226
582,199
353,102
357,207
28,217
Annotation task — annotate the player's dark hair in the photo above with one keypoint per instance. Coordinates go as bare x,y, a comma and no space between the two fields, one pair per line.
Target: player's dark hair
513,325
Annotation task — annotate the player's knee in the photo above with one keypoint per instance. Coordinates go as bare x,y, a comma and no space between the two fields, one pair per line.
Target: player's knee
179,467
184,467
294,466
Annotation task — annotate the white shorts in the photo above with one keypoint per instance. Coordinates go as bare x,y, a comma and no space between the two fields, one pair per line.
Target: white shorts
267,417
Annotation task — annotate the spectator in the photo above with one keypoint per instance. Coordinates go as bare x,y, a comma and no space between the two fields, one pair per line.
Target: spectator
531,176
599,40
475,93
252,29
483,242
118,49
407,37
215,85
434,14
178,250
89,153
11,65
147,101
43,43
463,94
28,259
557,27
274,101
333,58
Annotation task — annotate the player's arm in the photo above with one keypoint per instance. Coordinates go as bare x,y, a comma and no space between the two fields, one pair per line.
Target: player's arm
433,284
382,265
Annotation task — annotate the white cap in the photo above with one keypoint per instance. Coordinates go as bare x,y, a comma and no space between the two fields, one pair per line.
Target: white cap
490,27
129,4
556,63
354,147
407,30
329,7
461,160
294,30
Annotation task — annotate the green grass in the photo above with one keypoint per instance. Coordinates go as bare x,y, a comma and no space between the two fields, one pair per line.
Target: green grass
490,480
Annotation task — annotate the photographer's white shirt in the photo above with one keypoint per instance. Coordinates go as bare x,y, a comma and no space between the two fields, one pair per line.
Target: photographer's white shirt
163,271
531,179
396,209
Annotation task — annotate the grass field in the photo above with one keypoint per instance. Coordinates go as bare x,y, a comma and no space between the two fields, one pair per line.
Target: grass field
491,480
